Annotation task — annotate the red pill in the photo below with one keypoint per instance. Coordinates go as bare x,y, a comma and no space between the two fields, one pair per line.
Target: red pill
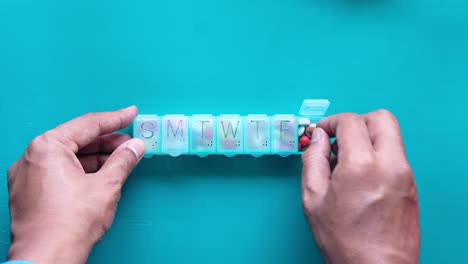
304,141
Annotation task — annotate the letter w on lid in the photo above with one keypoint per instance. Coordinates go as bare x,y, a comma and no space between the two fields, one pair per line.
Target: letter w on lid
174,134
230,134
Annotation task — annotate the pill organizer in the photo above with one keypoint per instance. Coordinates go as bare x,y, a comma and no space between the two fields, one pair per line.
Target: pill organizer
230,134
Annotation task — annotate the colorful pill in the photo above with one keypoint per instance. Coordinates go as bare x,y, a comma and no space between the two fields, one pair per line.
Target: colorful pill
304,141
301,131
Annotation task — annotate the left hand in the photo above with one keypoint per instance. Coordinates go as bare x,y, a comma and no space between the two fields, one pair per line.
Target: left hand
64,190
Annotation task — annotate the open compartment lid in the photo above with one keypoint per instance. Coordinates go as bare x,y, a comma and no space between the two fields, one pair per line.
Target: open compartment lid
314,107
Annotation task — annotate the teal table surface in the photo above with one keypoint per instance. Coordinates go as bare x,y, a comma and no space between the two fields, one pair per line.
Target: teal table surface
60,59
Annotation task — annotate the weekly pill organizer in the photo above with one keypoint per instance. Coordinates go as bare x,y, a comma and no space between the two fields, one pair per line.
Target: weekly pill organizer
230,134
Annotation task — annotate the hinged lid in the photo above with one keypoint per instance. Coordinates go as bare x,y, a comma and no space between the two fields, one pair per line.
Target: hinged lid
314,107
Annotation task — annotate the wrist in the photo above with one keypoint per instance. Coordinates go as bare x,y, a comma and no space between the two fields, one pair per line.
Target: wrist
370,254
51,247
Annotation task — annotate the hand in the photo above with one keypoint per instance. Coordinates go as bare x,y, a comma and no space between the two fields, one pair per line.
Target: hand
64,190
361,203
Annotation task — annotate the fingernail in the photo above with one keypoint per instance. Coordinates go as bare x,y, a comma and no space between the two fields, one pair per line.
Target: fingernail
137,147
316,135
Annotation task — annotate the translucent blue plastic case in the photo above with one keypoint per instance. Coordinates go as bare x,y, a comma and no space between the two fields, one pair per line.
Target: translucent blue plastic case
230,135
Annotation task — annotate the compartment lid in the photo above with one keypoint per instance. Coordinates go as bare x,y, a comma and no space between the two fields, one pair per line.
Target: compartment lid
314,107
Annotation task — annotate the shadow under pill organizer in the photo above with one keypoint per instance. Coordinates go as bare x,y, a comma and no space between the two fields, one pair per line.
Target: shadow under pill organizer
229,135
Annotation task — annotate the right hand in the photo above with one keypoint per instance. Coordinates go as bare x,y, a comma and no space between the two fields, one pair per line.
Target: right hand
361,203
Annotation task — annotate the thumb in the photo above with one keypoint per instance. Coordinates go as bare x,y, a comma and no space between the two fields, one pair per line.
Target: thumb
316,169
122,161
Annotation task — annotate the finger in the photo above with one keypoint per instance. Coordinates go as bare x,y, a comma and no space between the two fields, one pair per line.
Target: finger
316,169
122,161
384,131
105,144
351,134
83,130
92,162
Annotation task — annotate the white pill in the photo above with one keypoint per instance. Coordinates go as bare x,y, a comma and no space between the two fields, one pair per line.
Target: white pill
303,121
301,130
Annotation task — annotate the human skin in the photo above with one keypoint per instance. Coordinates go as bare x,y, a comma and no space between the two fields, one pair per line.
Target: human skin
64,190
361,203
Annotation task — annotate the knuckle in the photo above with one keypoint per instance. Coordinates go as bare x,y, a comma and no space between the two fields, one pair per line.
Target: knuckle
402,171
37,143
355,117
53,136
351,120
351,117
365,161
41,146
120,121
127,159
35,147
115,180
11,170
384,114
398,176
44,141
93,118
361,163
405,170
310,200
91,115
307,206
412,192
124,162
10,175
403,181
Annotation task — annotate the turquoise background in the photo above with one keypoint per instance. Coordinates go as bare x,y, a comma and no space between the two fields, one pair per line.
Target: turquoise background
60,59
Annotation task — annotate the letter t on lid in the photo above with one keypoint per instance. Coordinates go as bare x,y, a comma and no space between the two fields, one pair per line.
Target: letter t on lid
203,137
257,134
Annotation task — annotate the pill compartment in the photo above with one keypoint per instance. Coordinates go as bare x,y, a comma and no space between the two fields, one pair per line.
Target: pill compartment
305,128
311,112
230,135
284,134
147,128
174,134
257,135
203,135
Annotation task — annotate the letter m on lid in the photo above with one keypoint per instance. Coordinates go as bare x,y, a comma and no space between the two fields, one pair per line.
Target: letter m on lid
174,134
